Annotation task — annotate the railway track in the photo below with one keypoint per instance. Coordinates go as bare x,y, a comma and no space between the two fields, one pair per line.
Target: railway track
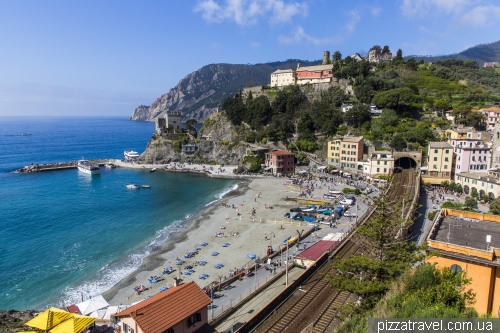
315,304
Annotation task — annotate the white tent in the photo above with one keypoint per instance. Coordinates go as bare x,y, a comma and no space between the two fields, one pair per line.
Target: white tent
92,305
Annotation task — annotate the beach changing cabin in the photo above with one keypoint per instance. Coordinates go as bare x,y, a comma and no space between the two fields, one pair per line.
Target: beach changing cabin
178,309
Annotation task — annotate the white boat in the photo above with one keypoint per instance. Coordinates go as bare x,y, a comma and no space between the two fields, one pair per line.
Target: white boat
110,166
87,167
133,185
130,154
152,170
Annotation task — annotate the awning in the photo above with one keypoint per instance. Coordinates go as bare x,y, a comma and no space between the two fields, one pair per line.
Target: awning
49,319
75,324
93,304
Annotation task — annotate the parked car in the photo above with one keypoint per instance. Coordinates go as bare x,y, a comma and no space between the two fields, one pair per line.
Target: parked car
346,202
295,210
328,196
349,214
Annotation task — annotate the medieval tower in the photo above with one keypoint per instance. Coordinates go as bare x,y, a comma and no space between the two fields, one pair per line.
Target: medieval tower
326,57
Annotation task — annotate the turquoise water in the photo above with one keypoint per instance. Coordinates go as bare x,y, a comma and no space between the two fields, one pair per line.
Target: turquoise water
65,233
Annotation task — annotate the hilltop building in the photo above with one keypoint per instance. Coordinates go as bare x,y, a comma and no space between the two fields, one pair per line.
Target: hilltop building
326,58
378,54
314,74
492,116
470,242
283,77
357,57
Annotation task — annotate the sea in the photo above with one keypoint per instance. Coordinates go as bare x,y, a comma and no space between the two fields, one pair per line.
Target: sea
65,234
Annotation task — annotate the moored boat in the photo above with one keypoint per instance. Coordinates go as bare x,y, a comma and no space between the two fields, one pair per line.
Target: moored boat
146,186
110,166
88,167
133,185
152,170
130,155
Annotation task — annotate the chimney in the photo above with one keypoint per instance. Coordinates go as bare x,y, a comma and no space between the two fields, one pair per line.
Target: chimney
298,65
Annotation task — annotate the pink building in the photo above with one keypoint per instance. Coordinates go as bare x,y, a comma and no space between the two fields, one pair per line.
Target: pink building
178,309
314,74
492,116
280,161
471,154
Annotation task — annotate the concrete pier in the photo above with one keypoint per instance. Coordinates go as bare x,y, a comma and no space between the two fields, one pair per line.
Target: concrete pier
57,166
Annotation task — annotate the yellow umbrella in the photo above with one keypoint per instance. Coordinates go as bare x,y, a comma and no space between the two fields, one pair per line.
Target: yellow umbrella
49,318
75,324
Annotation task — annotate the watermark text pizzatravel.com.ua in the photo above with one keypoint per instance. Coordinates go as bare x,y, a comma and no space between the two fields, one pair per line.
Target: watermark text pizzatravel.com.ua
424,325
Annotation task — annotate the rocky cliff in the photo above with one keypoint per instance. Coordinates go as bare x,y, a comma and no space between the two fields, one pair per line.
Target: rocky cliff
199,93
217,142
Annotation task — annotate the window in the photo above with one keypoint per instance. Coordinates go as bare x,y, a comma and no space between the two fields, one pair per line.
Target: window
435,158
385,170
456,269
194,319
435,151
354,146
378,169
170,330
125,328
434,166
446,166
446,159
385,162
447,151
378,162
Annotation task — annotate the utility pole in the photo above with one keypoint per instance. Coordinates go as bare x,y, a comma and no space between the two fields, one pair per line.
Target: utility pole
286,267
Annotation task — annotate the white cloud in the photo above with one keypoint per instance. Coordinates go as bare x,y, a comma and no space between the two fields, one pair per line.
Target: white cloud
462,12
375,11
254,44
248,12
354,18
299,36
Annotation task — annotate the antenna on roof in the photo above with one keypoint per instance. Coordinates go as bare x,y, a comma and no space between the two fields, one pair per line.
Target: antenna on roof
488,241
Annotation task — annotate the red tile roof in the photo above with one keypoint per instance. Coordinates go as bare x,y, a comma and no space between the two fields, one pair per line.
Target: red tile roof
167,308
281,152
317,250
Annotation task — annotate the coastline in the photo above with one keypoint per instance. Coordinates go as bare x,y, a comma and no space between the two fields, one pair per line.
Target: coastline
204,226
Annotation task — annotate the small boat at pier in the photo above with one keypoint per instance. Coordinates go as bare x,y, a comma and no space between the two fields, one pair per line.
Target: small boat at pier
110,166
88,167
133,186
146,186
152,170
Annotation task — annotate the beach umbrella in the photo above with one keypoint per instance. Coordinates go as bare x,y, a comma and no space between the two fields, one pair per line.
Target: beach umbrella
49,319
91,305
75,324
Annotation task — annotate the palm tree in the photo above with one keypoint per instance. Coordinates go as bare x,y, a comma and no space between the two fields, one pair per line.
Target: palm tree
337,56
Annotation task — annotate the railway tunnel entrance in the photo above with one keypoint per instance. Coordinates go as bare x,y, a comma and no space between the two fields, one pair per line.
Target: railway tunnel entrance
405,163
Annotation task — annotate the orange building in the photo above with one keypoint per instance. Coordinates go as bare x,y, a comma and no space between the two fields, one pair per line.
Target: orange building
470,242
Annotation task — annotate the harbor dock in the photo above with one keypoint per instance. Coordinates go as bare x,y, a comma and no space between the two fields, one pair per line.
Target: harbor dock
57,166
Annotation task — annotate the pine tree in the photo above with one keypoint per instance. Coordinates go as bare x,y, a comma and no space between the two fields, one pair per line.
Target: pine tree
370,272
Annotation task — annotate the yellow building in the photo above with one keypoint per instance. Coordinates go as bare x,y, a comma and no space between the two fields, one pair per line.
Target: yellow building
470,242
333,156
439,163
351,152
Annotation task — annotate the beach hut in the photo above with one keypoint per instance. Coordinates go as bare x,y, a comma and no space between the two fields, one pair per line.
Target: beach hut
49,319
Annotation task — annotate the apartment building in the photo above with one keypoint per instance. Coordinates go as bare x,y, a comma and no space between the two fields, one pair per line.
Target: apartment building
439,163
472,152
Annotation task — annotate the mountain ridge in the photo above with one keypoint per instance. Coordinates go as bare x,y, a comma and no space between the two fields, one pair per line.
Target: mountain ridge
481,53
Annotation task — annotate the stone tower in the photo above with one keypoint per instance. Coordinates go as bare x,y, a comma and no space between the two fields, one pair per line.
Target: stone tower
326,57
495,148
174,119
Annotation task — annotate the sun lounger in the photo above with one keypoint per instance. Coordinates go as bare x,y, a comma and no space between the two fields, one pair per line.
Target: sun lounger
163,289
204,244
202,263
197,248
179,262
218,266
251,256
187,273
214,253
225,245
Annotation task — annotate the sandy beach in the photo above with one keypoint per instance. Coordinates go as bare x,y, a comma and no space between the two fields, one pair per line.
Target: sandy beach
244,234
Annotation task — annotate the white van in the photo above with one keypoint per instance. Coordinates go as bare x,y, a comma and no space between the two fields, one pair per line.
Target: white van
346,202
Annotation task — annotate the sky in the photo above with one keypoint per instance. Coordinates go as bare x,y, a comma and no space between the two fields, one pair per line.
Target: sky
105,58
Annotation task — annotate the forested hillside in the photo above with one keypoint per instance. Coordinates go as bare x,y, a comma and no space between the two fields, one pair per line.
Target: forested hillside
413,97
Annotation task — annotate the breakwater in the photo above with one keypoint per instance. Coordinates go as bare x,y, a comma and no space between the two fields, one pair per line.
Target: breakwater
56,166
